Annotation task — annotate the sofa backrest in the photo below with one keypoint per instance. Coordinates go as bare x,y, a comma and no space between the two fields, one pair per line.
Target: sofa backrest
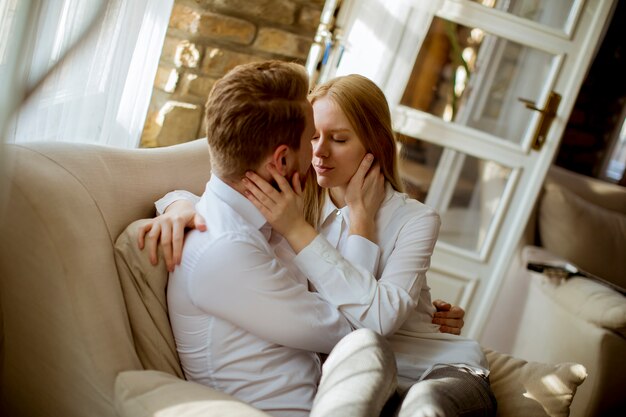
65,331
583,220
601,193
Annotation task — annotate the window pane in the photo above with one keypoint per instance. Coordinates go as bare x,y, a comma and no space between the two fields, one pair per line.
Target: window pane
476,198
553,13
617,162
469,77
468,212
418,162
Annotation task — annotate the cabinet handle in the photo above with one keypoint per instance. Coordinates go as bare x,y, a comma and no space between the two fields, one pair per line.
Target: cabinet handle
547,114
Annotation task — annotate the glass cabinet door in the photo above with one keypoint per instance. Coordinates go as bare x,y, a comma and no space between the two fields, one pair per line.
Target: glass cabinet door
476,197
470,84
557,14
467,76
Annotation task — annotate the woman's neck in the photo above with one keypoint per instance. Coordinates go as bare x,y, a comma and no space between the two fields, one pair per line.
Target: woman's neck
338,196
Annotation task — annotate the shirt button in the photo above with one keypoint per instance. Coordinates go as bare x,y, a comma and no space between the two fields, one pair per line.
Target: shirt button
338,213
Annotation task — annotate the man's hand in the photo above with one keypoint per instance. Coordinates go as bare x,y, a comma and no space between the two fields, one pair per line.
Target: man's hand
448,317
168,230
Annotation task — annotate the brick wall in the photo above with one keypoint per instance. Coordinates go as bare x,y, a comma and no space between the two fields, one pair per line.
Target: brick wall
204,40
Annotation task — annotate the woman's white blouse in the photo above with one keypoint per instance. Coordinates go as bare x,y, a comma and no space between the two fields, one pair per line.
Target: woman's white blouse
386,290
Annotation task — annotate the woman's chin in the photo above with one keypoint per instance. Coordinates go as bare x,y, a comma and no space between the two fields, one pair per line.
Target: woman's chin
324,182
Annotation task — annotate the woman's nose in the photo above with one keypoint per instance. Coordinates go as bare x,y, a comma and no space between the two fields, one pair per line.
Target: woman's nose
320,149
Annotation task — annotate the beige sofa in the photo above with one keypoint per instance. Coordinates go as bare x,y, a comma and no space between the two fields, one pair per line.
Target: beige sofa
582,221
84,321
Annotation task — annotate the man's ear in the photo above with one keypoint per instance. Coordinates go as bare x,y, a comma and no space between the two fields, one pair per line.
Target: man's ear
280,159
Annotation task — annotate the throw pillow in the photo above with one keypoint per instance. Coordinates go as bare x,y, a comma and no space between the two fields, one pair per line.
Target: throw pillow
532,389
143,285
153,393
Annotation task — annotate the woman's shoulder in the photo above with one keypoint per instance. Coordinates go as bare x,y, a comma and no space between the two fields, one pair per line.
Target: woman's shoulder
401,204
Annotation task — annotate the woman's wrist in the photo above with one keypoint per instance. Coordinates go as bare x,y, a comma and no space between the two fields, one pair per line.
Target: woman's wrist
179,206
363,225
300,236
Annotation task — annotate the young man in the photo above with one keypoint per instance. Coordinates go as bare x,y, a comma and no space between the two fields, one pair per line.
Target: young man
242,315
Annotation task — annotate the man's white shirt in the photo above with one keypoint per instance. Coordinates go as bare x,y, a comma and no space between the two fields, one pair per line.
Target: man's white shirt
243,318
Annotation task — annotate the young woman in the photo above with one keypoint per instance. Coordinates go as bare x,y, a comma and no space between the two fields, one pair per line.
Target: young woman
363,218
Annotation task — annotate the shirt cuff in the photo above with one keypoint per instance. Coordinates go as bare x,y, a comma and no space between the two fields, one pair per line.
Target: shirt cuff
163,203
336,279
363,252
308,260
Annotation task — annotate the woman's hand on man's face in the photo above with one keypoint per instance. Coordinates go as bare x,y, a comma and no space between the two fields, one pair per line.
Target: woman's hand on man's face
283,208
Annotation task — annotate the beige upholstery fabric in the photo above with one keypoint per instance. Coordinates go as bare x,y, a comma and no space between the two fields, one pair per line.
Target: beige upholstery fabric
358,378
591,237
144,287
589,300
528,389
601,193
65,329
532,389
153,393
594,303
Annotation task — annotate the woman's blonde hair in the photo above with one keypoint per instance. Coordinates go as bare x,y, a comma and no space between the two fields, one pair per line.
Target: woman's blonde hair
367,110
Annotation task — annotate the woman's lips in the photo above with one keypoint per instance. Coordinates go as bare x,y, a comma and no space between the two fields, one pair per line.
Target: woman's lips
320,169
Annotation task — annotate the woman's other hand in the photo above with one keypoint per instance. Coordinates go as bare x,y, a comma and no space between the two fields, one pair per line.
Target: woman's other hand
168,231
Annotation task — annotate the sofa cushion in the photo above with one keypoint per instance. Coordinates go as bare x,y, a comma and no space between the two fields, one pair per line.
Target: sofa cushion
593,302
591,237
153,393
144,285
531,388
590,300
601,193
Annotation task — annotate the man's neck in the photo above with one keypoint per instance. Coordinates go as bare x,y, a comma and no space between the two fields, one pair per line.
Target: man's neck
236,185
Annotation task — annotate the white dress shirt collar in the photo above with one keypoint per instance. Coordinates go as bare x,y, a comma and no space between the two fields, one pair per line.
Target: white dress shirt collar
236,200
330,208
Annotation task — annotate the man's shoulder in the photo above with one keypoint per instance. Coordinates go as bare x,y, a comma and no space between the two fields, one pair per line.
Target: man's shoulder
221,218
218,241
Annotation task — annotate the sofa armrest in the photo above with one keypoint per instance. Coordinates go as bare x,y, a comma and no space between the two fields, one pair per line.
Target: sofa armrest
150,393
586,299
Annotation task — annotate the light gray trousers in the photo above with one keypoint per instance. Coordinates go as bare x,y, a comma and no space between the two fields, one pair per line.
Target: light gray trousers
445,392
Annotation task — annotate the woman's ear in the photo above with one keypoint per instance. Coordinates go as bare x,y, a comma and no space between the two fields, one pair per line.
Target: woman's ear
280,159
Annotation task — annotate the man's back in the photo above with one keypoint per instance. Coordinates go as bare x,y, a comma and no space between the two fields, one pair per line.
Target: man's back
243,318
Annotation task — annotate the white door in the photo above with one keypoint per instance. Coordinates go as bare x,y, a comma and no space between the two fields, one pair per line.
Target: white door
462,78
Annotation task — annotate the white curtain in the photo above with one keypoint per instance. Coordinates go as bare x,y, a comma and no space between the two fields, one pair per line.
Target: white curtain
101,91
